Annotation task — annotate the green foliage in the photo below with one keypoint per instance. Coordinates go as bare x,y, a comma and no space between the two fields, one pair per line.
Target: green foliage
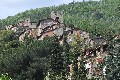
7,35
56,61
79,72
26,61
113,61
95,17
32,59
5,77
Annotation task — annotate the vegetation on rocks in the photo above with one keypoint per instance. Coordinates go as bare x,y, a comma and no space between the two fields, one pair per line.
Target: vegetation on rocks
33,59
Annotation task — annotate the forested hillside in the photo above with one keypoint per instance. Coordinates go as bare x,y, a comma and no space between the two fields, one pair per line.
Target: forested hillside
95,17
46,59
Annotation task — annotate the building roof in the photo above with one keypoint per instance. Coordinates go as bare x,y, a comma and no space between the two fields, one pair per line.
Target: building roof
99,40
46,21
21,30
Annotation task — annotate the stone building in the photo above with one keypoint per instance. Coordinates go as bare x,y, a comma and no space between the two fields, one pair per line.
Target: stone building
57,15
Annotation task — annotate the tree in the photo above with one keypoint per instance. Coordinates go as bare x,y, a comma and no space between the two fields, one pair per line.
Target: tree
7,36
113,61
79,72
66,59
28,60
56,61
5,77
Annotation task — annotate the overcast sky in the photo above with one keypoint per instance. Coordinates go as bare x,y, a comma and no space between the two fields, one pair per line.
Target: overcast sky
12,7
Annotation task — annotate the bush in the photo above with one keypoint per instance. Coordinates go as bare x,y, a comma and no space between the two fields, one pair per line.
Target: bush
5,77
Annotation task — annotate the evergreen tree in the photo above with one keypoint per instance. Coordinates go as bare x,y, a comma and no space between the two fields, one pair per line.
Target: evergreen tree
56,61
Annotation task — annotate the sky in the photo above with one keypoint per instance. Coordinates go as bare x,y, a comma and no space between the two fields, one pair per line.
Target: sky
12,7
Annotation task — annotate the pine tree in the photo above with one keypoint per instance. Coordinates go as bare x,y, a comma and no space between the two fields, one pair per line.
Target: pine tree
56,61
66,61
